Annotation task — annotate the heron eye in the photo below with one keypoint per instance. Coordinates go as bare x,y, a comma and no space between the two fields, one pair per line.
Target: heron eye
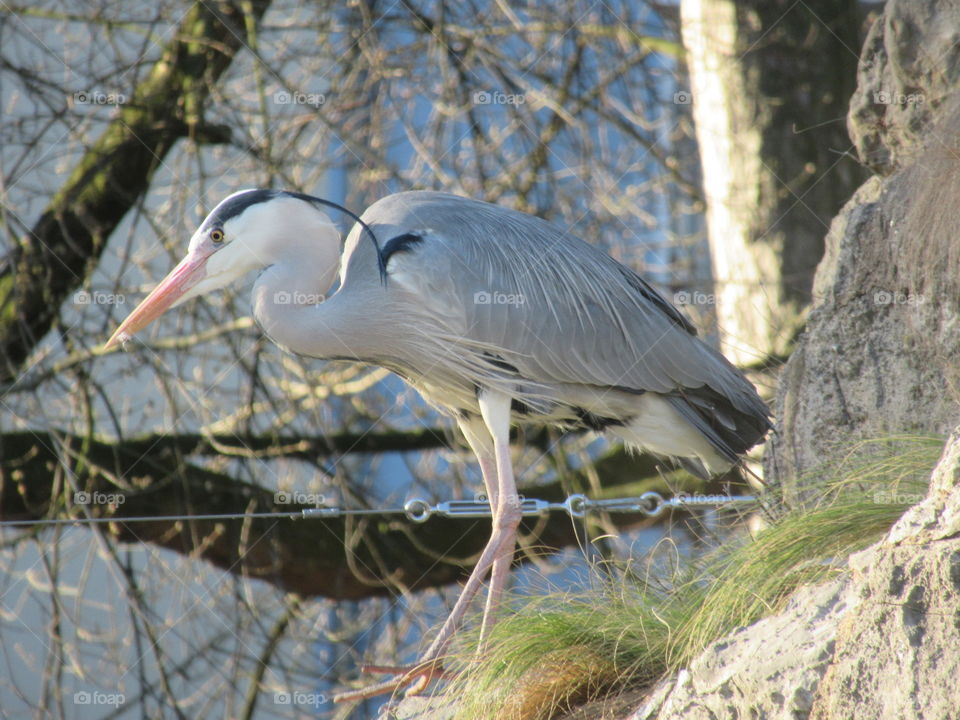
217,236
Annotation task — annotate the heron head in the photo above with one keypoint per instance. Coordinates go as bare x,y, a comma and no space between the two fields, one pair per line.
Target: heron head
249,230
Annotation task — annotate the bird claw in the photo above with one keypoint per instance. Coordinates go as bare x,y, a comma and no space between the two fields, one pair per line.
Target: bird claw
417,677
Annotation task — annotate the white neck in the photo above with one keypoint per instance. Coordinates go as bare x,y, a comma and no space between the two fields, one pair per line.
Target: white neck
291,306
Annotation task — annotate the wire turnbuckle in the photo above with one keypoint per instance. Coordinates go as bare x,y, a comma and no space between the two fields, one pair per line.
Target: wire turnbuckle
651,504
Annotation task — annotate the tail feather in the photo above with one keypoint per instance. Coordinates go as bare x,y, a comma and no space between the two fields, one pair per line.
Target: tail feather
730,430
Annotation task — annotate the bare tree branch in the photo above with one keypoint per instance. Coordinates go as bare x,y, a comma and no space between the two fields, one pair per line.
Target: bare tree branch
53,259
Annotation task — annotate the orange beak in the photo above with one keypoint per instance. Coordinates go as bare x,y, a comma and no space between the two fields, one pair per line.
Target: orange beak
190,271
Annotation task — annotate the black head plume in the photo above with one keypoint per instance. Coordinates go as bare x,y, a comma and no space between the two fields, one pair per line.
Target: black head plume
381,264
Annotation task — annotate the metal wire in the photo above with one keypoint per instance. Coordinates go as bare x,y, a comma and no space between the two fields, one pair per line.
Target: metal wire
650,504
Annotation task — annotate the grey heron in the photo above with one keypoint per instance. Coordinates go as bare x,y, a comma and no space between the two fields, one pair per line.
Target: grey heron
494,316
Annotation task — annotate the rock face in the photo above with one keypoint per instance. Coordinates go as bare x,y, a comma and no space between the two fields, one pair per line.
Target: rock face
881,642
769,670
898,654
878,356
908,67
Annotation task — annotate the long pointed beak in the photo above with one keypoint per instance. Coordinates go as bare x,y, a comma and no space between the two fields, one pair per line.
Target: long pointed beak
190,271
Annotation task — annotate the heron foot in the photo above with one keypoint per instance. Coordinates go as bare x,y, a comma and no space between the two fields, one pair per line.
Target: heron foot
413,677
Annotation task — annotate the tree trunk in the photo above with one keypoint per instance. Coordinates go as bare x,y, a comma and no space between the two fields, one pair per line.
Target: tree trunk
769,96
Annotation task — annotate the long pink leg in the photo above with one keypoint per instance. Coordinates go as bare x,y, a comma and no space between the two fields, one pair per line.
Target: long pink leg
482,445
493,453
481,442
495,409
491,444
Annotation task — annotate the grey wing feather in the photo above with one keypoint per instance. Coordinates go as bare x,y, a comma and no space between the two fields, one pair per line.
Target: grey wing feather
556,308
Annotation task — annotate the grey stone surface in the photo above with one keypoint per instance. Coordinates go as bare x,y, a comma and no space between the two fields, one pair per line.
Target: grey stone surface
768,670
898,655
878,356
909,63
420,707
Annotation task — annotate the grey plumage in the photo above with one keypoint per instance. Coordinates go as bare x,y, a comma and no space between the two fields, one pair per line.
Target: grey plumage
480,291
